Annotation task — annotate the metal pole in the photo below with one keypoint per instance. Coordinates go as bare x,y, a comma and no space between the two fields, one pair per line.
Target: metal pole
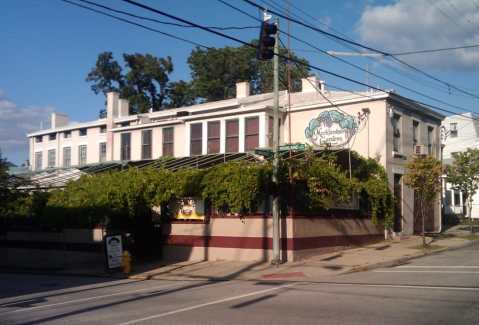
276,234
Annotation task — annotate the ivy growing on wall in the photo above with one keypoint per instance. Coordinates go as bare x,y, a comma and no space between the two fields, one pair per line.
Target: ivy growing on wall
121,198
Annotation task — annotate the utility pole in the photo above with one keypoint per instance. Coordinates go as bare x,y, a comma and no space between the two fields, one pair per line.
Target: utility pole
276,227
268,48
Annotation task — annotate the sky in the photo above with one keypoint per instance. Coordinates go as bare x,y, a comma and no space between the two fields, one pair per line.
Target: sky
49,46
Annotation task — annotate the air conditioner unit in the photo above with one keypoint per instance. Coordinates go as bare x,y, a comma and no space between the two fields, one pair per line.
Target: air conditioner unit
420,150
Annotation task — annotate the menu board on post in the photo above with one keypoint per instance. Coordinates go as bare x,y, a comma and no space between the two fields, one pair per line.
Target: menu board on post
113,251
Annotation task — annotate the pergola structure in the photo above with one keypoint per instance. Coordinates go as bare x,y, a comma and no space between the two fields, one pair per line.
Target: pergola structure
58,177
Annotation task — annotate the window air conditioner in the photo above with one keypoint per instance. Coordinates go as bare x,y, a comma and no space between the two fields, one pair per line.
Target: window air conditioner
420,150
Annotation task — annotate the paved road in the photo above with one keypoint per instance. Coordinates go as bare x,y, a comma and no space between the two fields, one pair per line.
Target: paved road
439,289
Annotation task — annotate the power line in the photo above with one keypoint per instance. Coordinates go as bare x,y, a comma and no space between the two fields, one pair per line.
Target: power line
279,55
161,21
449,85
372,73
390,67
438,50
362,69
136,24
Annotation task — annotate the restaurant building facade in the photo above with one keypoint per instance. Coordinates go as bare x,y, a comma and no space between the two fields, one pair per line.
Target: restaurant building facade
380,125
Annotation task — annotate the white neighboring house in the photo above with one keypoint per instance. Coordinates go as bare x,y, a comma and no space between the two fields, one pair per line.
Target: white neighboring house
460,132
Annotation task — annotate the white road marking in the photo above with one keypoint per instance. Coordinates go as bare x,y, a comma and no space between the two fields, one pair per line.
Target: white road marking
403,286
214,302
420,271
59,292
88,299
437,267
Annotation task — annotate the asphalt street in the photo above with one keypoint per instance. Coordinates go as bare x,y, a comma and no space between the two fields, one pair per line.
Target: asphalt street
438,289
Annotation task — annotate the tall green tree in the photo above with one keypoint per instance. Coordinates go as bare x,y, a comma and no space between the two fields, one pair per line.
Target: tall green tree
144,81
215,71
424,177
107,74
180,94
463,174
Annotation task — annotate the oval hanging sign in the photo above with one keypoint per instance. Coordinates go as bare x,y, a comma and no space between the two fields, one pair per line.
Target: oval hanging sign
331,128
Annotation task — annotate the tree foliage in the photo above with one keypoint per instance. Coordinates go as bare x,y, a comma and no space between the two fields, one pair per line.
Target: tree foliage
237,187
216,71
122,199
145,83
145,79
463,174
424,177
5,191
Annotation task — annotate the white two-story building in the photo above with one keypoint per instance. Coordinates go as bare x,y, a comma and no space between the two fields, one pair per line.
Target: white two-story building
381,125
460,132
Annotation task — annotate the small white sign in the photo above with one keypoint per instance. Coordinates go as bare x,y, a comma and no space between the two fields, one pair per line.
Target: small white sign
114,251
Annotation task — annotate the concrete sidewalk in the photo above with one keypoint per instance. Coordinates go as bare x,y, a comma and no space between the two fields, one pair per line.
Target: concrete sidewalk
317,268
386,253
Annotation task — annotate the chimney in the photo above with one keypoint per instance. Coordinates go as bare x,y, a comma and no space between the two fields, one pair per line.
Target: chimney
312,84
123,107
58,120
112,99
242,89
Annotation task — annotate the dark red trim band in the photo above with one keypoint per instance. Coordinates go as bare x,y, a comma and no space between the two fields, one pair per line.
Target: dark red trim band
266,243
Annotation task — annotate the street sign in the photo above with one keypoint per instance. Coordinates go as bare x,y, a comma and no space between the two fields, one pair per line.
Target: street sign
113,251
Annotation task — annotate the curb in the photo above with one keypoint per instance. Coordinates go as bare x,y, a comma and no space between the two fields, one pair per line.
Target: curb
121,276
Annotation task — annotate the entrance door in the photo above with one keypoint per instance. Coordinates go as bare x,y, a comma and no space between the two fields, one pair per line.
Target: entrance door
397,227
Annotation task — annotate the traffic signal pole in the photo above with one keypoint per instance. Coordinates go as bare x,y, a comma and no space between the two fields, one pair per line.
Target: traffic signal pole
276,213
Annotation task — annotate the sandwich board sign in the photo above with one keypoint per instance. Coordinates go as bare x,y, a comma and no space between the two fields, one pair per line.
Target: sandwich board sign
113,251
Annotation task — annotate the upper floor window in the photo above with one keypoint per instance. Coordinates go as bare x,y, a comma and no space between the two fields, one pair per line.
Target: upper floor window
232,136
39,139
430,140
83,132
67,134
146,144
168,141
67,157
251,133
125,146
453,130
415,133
102,153
52,136
103,129
51,158
123,124
82,154
396,123
38,160
196,143
214,137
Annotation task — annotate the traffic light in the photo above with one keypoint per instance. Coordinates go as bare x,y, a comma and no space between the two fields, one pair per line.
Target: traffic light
266,41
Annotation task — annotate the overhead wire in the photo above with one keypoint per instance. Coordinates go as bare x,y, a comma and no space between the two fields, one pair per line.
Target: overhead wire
161,21
403,73
137,24
246,43
279,55
355,43
360,68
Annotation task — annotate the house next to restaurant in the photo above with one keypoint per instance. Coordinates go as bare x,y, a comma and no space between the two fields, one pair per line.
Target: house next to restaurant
460,132
381,125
